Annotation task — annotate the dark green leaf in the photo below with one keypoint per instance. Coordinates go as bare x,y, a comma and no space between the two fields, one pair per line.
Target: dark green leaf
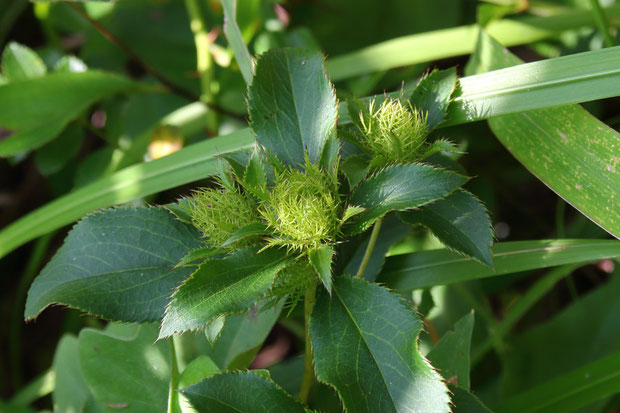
238,161
321,260
240,392
400,187
60,97
241,334
355,169
50,158
466,402
451,356
224,286
292,105
255,178
438,267
131,374
432,95
460,222
365,345
117,264
20,63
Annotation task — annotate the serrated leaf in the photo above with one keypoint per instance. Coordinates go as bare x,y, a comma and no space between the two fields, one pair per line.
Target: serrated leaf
355,169
238,161
250,230
466,402
224,286
432,95
451,356
351,211
292,105
321,260
213,329
200,254
241,392
255,178
365,345
440,145
131,374
20,62
60,97
400,187
117,264
181,209
460,222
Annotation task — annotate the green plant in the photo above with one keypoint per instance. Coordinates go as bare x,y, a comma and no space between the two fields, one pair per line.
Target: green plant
302,224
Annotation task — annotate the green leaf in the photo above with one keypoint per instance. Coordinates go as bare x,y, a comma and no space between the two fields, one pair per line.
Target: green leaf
460,222
255,178
321,260
213,328
117,264
240,392
54,155
198,369
60,98
235,39
399,187
451,356
292,105
241,334
567,148
187,165
250,230
199,254
224,286
128,373
365,345
589,324
70,391
466,402
570,391
432,95
439,267
20,63
455,41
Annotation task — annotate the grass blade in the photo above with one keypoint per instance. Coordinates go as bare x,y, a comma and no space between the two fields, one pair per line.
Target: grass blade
438,267
440,44
570,391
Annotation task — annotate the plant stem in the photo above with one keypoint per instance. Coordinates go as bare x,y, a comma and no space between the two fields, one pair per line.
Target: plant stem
371,246
602,23
308,377
173,397
37,256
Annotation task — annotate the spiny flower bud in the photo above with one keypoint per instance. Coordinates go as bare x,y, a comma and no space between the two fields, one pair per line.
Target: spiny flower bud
394,131
302,208
220,212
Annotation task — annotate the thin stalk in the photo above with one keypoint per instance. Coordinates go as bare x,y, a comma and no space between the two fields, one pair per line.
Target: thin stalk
204,60
371,246
308,377
602,23
37,256
173,397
